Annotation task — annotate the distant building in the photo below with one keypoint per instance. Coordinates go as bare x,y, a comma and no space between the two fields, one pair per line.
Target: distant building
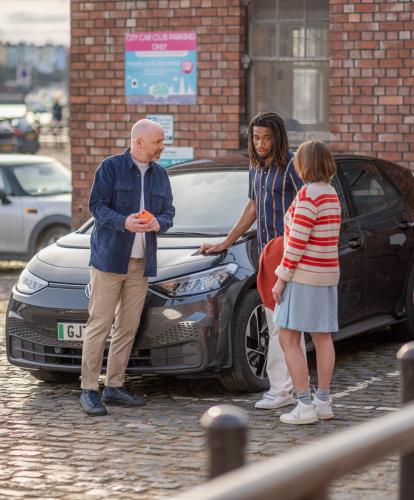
45,59
340,70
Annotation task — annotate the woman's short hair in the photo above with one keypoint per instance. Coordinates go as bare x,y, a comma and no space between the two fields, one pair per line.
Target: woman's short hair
314,162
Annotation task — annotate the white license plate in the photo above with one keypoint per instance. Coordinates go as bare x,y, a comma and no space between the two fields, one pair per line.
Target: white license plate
71,331
75,331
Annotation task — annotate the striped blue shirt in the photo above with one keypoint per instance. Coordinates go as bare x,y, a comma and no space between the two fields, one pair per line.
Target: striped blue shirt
273,190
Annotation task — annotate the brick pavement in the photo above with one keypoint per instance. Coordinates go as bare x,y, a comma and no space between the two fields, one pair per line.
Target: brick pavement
50,449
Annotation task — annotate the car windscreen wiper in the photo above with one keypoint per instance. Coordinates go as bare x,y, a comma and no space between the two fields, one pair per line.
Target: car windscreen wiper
50,193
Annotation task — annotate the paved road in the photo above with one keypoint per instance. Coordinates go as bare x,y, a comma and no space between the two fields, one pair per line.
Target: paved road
50,449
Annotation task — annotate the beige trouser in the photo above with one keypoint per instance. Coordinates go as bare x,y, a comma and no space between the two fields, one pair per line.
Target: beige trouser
113,296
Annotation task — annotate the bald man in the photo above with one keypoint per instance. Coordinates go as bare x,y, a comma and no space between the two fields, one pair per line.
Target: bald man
123,256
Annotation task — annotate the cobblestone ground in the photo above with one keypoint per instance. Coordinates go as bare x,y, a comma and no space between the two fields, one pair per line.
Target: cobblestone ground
50,449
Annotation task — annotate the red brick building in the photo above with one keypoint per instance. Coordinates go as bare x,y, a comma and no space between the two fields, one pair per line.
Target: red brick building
340,70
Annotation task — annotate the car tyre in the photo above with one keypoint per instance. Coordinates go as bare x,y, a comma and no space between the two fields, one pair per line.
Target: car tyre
50,235
405,329
249,344
53,377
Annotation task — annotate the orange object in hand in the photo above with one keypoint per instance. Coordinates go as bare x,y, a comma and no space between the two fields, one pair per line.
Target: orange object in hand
145,216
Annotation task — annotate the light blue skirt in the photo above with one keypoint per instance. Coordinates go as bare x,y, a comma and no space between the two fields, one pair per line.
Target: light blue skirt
308,308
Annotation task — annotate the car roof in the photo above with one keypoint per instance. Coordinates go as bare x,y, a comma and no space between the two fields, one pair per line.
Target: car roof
241,162
16,159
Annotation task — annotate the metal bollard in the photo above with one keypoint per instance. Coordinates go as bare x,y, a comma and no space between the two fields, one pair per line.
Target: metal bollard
406,358
226,427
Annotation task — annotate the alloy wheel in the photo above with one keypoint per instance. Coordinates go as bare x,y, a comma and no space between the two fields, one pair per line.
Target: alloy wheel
257,342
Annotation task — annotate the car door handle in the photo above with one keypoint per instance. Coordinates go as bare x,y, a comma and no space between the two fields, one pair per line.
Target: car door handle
356,243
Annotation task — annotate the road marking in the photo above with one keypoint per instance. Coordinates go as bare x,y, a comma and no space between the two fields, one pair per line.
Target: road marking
359,386
356,407
363,385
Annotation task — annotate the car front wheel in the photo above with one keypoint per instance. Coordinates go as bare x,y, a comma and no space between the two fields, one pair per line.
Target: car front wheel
249,341
51,235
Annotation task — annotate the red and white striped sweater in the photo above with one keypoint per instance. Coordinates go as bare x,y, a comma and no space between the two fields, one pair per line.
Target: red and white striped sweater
312,226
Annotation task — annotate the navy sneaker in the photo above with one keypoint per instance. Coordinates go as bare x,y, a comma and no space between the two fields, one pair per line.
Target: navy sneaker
92,404
120,397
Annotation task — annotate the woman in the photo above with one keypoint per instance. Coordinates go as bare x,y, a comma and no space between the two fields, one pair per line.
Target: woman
306,293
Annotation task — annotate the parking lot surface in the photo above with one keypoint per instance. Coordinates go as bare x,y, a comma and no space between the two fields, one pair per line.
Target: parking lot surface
50,449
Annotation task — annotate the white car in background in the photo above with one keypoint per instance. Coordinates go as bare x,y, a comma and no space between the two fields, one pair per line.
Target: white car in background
35,204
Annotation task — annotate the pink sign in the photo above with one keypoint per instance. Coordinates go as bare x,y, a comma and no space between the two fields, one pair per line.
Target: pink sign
161,40
161,67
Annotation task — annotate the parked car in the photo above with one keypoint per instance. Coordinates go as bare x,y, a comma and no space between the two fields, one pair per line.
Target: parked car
35,204
203,315
8,141
27,136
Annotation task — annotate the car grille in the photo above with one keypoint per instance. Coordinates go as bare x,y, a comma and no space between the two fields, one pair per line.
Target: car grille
29,345
19,329
185,330
147,353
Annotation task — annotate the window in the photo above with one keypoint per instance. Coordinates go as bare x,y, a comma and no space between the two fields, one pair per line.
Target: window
371,191
338,188
43,179
289,62
216,201
221,197
4,183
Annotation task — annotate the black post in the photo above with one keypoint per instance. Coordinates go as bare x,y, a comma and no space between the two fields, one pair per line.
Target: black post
406,357
226,427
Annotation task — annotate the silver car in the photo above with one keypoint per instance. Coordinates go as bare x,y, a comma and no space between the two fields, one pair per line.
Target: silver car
35,204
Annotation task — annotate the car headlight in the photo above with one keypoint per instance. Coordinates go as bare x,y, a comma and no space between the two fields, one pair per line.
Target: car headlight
28,283
203,282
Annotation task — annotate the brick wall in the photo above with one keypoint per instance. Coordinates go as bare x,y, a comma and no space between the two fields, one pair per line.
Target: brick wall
372,78
100,119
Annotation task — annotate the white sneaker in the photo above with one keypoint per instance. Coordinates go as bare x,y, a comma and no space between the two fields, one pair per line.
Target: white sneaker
301,414
323,409
271,401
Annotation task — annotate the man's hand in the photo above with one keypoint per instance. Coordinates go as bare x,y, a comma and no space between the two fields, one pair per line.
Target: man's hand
135,225
153,225
209,248
277,290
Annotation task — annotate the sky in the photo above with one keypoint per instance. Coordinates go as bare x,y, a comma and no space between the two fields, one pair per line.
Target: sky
35,21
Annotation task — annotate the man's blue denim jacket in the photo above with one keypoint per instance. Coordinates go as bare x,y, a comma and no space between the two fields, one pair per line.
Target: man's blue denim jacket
115,194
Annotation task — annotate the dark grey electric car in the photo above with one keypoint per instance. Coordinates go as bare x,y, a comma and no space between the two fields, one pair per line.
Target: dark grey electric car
203,315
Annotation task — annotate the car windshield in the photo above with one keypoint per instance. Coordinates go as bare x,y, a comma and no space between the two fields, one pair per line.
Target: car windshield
43,179
206,203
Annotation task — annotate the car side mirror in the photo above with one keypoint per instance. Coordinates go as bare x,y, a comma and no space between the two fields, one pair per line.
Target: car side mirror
3,198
